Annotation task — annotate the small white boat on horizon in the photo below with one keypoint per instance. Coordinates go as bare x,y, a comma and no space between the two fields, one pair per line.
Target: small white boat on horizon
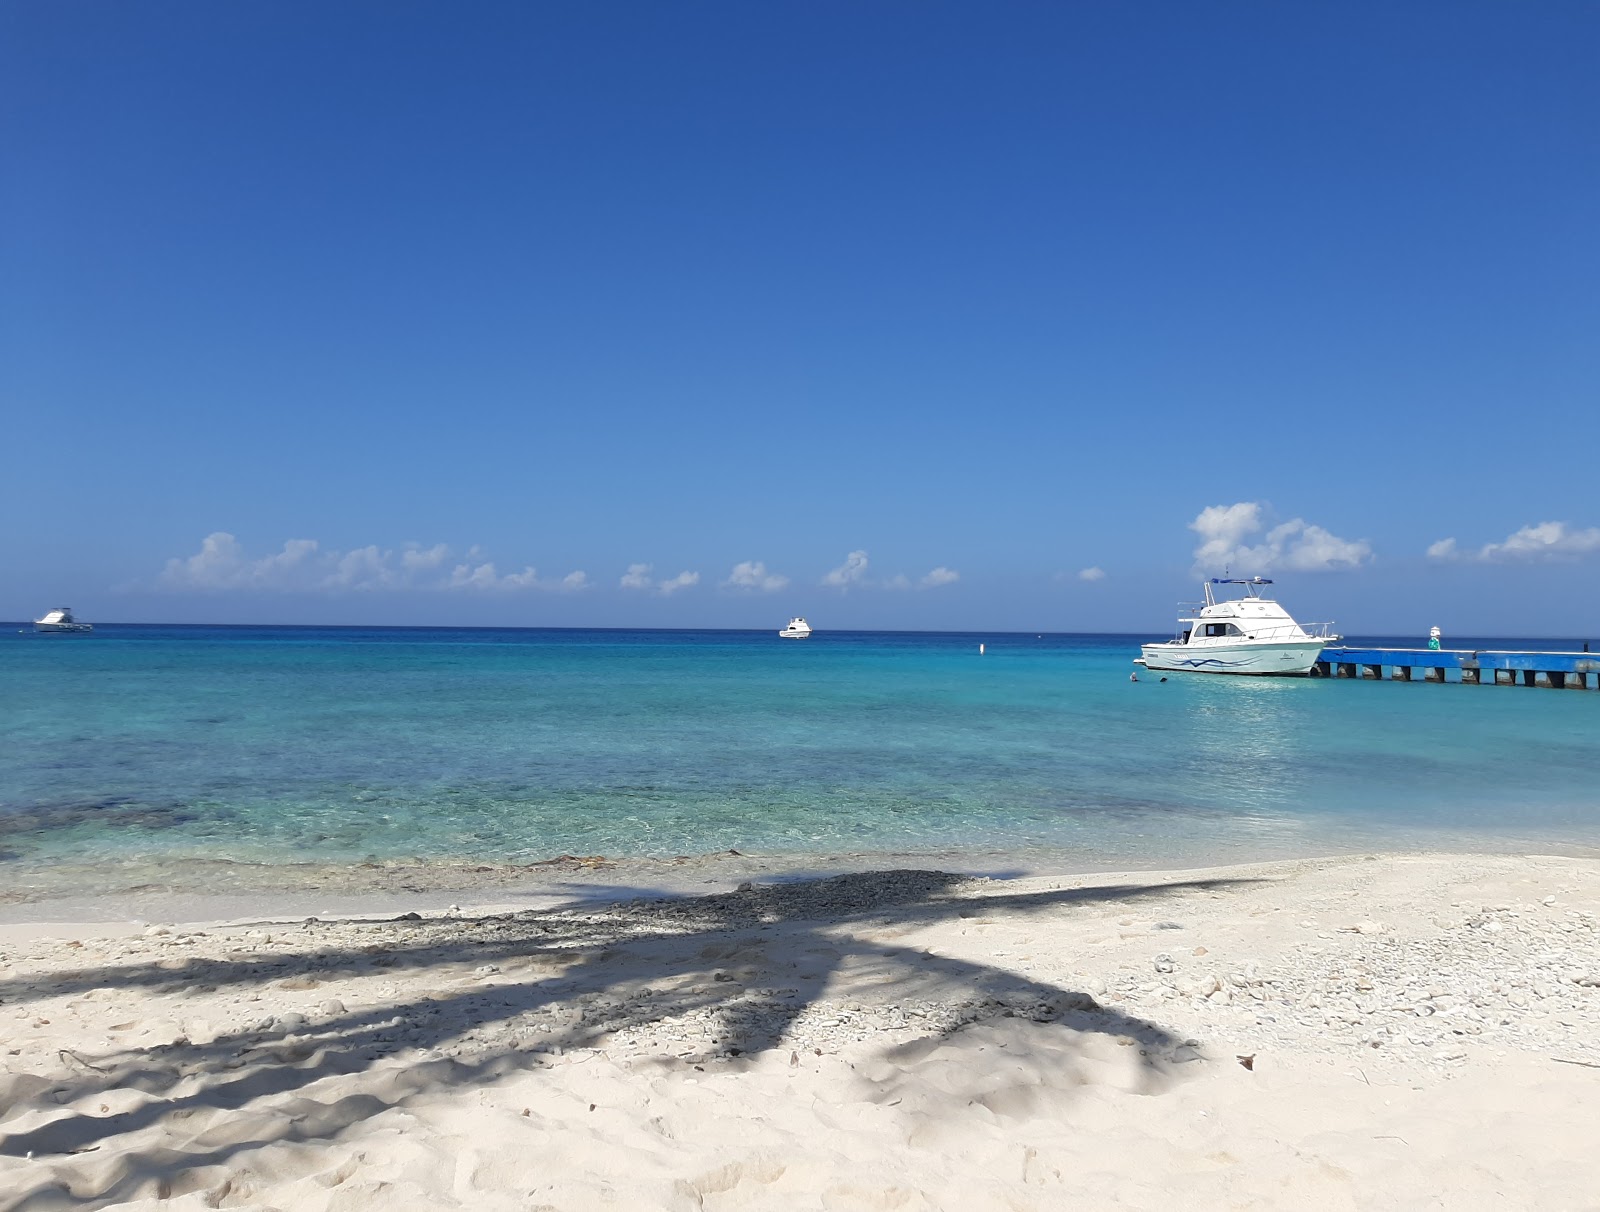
1249,635
59,622
798,629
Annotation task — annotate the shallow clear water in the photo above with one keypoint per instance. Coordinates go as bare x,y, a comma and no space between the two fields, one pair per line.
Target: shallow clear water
288,744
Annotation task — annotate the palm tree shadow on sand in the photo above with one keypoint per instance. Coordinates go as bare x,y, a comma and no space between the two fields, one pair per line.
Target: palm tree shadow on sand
732,976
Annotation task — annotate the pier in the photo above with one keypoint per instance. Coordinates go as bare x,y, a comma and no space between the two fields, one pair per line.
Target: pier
1557,670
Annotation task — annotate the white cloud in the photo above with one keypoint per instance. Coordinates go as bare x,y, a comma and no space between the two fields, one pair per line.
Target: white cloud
363,568
216,564
1222,529
221,564
1444,549
638,577
852,572
415,559
1544,541
296,554
753,575
682,581
1308,548
484,576
1092,574
467,576
304,566
526,579
1295,545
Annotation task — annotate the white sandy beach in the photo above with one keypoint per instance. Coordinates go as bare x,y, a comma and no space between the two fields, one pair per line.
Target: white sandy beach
1420,1031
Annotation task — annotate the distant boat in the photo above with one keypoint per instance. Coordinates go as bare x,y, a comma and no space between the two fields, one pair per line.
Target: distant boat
798,629
59,621
1251,635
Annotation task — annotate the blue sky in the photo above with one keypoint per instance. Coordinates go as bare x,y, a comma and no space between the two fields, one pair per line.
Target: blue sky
309,313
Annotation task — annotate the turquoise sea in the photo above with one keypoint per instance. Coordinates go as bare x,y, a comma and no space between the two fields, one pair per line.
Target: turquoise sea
280,745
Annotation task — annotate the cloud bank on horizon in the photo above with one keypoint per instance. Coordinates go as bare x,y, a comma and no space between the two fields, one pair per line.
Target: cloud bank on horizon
1241,537
305,566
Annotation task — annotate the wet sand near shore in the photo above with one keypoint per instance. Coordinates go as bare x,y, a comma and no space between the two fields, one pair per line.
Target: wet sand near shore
1392,1031
137,890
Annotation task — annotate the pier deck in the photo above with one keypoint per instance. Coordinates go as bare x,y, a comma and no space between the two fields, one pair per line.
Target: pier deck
1559,670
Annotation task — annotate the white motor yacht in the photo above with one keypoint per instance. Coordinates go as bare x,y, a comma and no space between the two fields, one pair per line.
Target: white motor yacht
798,629
60,620
1250,634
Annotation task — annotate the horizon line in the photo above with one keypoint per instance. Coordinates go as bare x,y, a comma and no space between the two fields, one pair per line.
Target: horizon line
25,626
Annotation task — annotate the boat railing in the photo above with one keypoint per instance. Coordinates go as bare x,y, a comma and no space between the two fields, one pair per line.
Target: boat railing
1269,631
1294,631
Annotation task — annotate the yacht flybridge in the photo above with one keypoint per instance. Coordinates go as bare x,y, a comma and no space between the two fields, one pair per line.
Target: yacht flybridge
1249,634
59,621
798,629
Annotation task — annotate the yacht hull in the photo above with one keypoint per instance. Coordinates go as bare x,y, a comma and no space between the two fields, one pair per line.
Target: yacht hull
62,628
1288,658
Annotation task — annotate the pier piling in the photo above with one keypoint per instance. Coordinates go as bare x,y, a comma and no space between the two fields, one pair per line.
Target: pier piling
1553,670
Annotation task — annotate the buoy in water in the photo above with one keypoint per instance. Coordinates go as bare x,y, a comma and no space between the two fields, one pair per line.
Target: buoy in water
980,649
